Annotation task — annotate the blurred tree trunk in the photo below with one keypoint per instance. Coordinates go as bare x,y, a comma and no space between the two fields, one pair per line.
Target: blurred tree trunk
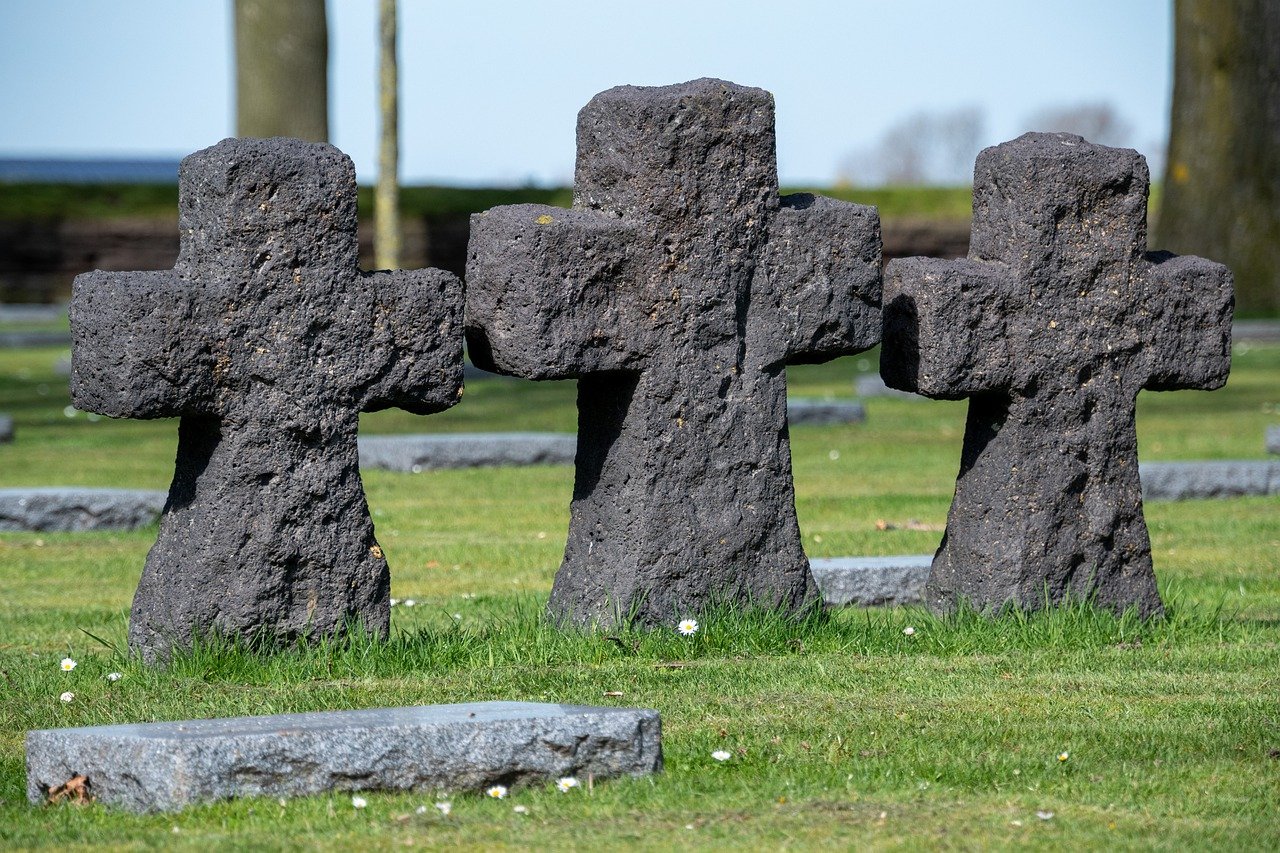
386,206
282,69
1222,182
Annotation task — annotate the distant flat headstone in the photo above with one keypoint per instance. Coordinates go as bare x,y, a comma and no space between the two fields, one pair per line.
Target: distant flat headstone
6,428
802,411
11,312
154,767
874,386
675,291
1273,439
871,580
268,341
74,509
466,450
1255,330
1051,327
1180,481
31,339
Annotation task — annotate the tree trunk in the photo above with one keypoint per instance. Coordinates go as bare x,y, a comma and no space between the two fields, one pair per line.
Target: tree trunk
386,206
1222,181
282,69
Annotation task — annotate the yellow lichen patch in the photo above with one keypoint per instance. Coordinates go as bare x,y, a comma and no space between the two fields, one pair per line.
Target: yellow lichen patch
376,551
544,219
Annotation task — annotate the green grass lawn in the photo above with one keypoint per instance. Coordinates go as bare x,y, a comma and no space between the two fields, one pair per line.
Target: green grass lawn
843,731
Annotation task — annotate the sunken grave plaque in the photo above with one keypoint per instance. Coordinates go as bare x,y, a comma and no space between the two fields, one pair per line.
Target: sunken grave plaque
676,291
158,767
1051,327
267,341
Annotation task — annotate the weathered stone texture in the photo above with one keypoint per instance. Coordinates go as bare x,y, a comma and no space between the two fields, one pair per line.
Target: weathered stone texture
677,290
268,341
153,767
1051,327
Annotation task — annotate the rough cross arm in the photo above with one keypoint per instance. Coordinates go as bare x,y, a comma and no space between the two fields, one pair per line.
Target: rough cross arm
139,349
945,323
1189,302
552,293
824,256
421,373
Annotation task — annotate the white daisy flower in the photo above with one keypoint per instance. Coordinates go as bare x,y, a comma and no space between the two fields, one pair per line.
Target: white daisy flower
688,627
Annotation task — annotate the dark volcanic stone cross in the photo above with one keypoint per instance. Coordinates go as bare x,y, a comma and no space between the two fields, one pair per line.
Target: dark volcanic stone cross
676,290
1051,327
268,341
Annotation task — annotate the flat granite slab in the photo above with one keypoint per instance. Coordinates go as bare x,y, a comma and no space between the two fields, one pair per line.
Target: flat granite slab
496,449
466,450
1255,330
804,411
22,312
1178,481
29,339
62,509
154,767
869,581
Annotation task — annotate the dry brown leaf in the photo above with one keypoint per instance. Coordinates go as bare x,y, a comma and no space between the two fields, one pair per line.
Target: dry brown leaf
74,790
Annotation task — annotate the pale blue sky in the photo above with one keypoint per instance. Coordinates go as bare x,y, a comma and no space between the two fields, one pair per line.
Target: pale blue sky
490,90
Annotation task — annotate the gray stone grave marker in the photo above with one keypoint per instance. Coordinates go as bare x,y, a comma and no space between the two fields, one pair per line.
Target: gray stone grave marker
1216,478
466,450
154,767
268,341
872,581
676,290
1273,439
1051,327
824,412
72,509
6,428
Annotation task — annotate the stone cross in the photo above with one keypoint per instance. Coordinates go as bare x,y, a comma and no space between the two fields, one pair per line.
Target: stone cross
268,341
1054,323
676,290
